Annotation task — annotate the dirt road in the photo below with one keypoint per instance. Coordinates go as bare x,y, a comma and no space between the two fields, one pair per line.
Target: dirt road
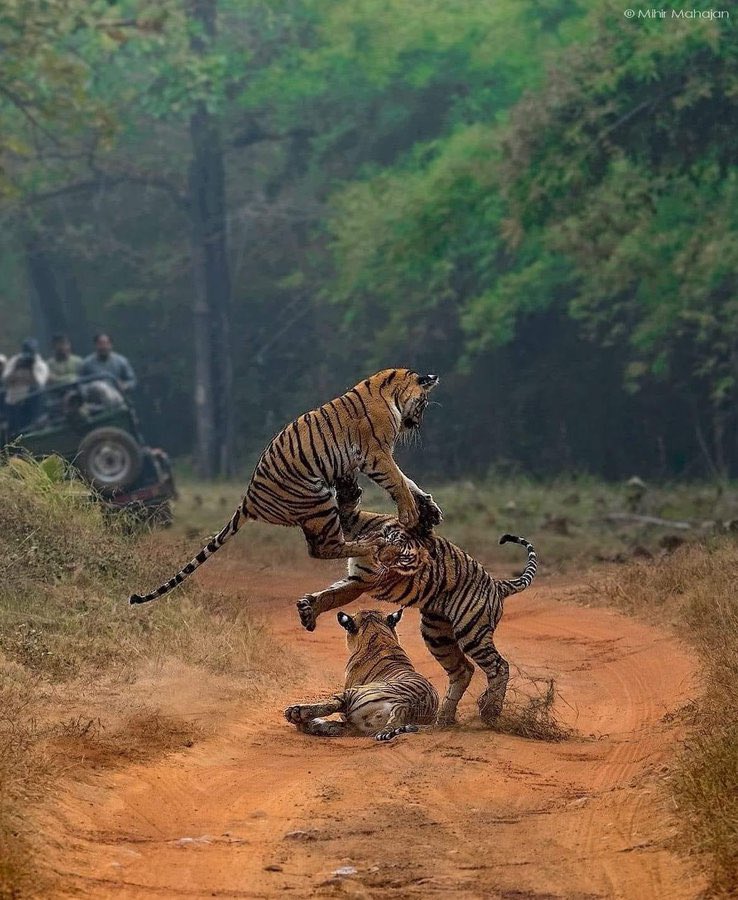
259,810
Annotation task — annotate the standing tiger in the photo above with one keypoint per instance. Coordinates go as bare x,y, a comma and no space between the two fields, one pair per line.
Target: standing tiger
460,603
293,481
383,695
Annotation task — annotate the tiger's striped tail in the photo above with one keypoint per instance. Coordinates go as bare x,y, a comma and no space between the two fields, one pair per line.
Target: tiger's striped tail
238,517
515,585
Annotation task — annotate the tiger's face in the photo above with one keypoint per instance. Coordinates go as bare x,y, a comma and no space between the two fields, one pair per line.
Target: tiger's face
408,391
401,553
368,627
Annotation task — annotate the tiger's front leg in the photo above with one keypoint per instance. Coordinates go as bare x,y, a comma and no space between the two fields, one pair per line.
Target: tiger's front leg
381,467
341,593
429,512
414,506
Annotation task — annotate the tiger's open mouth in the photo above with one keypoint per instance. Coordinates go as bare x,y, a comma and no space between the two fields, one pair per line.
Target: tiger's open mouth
414,418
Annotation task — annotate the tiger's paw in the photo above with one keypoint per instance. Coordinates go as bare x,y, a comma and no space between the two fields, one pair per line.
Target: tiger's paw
391,733
490,706
299,714
348,492
305,610
446,721
408,516
429,515
325,728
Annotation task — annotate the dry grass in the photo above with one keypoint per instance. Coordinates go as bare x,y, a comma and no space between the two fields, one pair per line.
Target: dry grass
22,774
695,590
65,574
532,714
90,744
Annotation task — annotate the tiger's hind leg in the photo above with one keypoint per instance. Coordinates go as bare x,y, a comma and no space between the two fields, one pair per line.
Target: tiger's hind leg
482,650
326,540
301,713
490,702
324,728
308,717
440,640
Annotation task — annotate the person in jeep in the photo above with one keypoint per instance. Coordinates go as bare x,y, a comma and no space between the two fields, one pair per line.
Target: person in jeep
63,365
106,364
23,377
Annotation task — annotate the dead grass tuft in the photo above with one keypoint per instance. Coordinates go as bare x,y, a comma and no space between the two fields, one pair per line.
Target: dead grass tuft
533,715
90,744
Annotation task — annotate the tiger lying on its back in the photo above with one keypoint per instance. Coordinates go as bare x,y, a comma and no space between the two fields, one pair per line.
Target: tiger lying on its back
292,483
383,694
460,603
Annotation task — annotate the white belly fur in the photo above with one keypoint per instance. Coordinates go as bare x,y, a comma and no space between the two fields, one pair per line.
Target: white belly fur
372,717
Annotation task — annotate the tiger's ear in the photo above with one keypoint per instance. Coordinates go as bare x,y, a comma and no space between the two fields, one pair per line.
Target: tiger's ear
393,619
345,621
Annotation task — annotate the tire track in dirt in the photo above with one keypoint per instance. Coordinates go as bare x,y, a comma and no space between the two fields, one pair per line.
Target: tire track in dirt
259,810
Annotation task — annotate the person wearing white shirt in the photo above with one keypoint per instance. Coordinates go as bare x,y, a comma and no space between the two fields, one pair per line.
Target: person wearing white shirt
23,378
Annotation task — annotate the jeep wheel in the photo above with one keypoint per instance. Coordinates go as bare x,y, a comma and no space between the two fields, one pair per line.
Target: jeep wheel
109,458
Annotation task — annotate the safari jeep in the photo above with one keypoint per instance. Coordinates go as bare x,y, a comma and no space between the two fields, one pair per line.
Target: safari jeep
95,428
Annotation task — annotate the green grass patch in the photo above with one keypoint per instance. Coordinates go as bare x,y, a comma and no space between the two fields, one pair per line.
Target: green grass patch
568,519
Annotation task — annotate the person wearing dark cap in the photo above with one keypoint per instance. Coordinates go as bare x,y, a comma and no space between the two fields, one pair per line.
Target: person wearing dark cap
24,376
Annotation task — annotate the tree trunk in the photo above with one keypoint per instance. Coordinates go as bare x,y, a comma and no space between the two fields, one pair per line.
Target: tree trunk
718,439
205,442
47,302
213,365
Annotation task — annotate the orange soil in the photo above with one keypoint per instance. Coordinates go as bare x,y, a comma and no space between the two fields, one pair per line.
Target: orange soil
259,810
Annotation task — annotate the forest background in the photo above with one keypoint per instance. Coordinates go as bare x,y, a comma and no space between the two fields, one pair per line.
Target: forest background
262,202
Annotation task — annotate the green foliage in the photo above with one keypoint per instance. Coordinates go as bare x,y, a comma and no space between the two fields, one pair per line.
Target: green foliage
626,162
372,45
435,228
537,194
606,195
46,104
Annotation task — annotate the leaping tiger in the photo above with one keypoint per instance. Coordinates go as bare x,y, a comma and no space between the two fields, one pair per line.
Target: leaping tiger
293,481
383,695
460,603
